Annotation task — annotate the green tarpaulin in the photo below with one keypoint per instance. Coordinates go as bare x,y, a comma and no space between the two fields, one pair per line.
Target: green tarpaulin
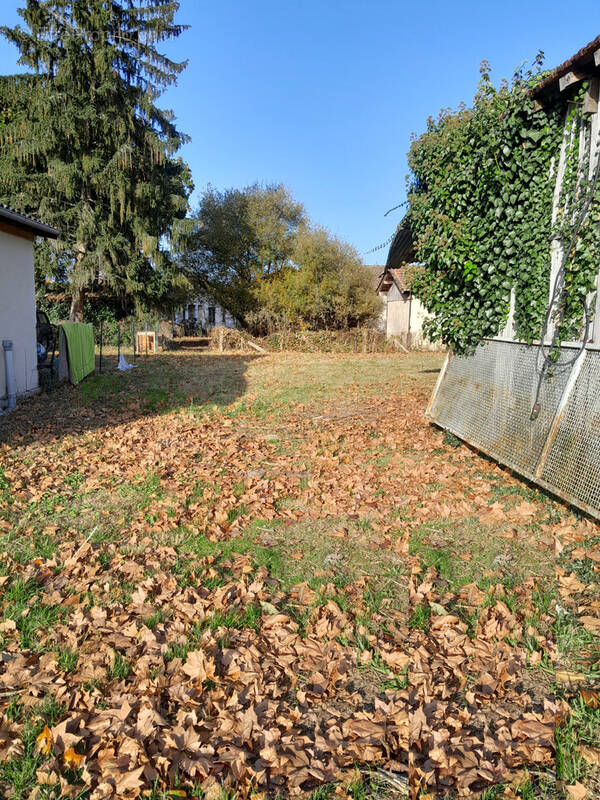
80,346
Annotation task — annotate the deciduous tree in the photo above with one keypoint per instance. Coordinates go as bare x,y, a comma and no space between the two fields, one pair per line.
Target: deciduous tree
239,236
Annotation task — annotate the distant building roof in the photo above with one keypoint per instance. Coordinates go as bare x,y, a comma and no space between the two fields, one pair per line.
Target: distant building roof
584,63
22,221
399,277
402,249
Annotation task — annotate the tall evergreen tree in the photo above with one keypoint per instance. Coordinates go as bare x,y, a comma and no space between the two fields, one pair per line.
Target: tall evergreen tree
87,148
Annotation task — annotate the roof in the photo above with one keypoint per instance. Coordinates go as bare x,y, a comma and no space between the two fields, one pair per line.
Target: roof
585,62
402,249
398,276
22,221
375,273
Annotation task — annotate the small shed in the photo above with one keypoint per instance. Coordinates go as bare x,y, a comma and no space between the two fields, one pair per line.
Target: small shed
403,313
17,297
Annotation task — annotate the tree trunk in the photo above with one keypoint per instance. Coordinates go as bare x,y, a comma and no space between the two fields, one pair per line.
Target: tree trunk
78,293
77,301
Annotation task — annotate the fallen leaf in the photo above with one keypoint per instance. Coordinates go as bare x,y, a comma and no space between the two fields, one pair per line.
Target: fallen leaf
44,741
576,791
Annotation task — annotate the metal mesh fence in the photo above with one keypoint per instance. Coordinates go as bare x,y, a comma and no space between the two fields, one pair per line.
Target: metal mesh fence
573,464
486,399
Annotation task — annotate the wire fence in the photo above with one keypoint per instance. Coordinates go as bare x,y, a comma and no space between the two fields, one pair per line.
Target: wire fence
130,339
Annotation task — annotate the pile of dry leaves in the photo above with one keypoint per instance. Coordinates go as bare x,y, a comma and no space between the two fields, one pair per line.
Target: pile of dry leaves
276,610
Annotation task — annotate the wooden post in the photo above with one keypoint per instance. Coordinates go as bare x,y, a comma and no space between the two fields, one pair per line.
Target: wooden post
133,339
364,336
118,340
101,333
220,340
146,335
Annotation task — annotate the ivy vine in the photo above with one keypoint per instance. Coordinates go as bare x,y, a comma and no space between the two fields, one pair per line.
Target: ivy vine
481,194
577,227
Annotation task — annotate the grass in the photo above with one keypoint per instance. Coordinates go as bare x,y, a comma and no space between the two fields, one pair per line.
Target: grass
465,551
323,473
19,772
120,668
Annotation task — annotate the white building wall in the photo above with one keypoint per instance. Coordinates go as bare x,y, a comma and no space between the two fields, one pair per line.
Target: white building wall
17,311
404,316
397,312
199,309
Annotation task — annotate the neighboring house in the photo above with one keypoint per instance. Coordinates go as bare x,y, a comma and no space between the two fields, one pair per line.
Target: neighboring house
205,313
17,297
535,413
403,313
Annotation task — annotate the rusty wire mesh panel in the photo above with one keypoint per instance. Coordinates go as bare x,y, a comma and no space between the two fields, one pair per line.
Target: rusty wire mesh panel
573,464
486,399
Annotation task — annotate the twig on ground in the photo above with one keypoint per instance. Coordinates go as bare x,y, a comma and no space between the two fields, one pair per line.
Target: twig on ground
92,532
399,782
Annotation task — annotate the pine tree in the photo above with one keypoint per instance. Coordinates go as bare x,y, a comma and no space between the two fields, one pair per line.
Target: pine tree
87,149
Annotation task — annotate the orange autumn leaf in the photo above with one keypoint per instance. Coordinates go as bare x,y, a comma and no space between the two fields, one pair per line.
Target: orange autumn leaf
72,759
589,698
44,741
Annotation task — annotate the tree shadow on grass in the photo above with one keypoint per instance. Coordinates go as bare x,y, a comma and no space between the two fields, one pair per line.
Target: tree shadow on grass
158,384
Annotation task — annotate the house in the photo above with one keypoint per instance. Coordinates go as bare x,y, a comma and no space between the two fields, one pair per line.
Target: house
403,313
17,299
204,313
534,407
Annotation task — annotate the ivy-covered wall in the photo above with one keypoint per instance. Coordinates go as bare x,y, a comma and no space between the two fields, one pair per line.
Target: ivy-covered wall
481,194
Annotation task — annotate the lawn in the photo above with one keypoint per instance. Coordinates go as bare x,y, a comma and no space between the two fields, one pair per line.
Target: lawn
269,575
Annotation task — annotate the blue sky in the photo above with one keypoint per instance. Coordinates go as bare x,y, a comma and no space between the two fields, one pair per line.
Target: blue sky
322,95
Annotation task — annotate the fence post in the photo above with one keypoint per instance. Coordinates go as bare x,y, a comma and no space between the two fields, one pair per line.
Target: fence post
101,333
133,339
119,341
146,335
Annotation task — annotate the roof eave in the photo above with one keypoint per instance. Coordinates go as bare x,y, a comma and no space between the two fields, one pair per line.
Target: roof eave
22,222
584,64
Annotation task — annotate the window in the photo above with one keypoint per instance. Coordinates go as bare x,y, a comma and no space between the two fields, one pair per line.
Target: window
211,315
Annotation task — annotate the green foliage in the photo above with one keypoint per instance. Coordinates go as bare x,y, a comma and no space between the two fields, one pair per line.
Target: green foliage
236,237
326,287
254,252
87,149
481,209
578,215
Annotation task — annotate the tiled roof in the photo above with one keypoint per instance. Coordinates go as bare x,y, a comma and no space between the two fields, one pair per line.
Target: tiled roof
399,276
582,60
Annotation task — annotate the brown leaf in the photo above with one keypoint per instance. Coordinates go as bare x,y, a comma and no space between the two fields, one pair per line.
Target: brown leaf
577,791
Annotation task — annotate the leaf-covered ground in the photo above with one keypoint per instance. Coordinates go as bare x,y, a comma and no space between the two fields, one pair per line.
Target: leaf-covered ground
270,576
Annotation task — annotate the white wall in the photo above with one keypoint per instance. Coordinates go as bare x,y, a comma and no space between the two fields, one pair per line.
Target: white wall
17,311
397,312
404,319
200,313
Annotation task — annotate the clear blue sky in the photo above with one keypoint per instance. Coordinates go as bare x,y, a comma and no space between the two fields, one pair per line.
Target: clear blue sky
322,95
